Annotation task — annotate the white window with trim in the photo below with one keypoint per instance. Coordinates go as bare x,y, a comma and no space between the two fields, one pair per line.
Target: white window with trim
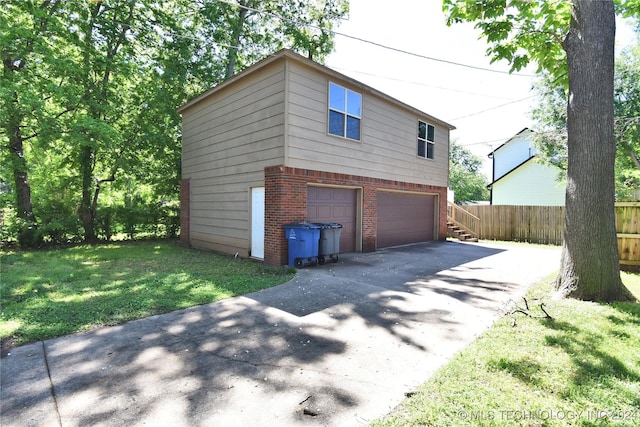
426,140
345,112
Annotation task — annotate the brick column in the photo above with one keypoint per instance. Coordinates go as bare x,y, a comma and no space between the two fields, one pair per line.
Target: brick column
369,217
442,214
285,202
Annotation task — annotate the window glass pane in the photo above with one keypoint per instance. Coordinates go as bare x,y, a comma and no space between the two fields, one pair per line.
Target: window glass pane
421,148
336,123
422,130
354,103
337,97
430,151
430,131
353,128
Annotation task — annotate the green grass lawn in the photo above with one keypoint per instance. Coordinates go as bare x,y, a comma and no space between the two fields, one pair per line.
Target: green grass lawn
580,368
44,294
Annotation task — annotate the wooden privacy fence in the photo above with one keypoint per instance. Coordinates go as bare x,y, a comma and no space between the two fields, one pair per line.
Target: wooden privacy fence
535,224
628,229
544,224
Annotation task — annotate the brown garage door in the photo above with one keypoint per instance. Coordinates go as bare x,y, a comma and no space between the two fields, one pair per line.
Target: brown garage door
404,218
334,205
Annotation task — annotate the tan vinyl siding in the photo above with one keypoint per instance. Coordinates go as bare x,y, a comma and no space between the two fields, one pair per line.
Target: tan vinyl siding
276,113
228,140
388,145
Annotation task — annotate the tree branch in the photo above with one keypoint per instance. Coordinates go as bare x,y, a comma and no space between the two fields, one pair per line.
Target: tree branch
28,137
527,311
94,203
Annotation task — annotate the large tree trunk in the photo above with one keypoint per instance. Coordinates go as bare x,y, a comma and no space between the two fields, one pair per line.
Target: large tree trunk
28,234
232,55
98,99
86,211
590,268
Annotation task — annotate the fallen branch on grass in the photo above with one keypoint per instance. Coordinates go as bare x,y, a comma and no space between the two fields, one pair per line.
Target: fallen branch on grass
526,310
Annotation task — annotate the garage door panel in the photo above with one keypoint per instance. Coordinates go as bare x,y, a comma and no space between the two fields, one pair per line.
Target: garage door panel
334,205
343,212
324,211
346,196
404,218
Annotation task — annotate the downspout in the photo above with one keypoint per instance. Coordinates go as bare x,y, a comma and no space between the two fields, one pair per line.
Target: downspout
493,175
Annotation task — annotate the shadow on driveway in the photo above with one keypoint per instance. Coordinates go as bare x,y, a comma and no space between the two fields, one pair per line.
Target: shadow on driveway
357,276
337,345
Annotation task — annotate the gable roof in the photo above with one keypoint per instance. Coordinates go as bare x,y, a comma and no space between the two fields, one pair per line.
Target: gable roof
490,155
286,54
512,170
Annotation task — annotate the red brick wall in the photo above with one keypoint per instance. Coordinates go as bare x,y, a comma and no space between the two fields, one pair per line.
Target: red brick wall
369,217
185,220
286,202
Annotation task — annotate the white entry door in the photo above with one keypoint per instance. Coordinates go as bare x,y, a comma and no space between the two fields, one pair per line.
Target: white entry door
257,222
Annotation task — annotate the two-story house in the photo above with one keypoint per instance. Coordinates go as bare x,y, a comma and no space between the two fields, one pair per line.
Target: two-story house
520,179
290,140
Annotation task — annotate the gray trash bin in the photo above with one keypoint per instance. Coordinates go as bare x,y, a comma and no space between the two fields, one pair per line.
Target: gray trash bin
329,243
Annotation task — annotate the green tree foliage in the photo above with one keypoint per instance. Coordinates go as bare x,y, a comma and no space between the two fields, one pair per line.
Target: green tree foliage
565,39
89,132
465,175
251,29
518,31
627,108
29,82
550,113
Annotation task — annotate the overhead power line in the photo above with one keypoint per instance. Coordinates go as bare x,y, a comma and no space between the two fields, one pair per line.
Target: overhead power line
494,108
488,142
380,45
484,95
430,58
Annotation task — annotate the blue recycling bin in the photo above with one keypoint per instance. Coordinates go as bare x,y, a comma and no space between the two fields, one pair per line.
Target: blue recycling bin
303,243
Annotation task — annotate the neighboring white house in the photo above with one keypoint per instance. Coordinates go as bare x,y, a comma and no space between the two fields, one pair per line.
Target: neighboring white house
520,178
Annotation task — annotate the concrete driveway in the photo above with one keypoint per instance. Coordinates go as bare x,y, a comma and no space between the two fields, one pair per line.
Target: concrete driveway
339,345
